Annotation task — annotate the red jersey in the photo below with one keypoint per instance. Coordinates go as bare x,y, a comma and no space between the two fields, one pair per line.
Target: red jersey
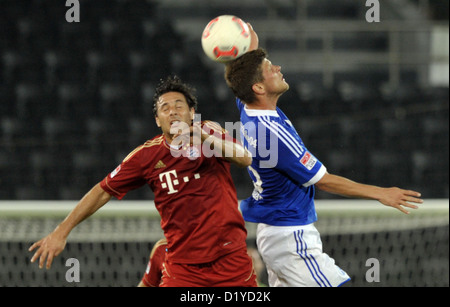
153,274
195,197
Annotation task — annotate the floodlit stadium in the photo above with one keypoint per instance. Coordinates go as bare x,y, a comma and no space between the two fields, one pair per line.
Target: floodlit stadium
369,95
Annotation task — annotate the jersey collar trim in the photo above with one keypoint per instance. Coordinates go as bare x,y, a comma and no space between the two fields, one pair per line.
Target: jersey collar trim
251,112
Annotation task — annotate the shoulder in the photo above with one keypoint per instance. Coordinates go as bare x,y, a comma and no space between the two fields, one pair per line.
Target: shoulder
150,145
159,247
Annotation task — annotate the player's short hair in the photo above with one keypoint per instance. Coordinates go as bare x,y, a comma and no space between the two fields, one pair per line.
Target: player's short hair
175,84
242,73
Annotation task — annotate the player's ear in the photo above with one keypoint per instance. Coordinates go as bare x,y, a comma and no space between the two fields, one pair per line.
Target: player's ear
258,88
158,123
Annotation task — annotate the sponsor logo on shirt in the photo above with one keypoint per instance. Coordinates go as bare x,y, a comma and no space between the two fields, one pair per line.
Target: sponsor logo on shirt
169,180
160,165
308,161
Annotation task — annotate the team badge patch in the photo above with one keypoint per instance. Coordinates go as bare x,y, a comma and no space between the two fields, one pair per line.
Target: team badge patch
114,172
308,161
193,153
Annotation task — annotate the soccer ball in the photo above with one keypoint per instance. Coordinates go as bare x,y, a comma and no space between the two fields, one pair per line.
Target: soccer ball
226,38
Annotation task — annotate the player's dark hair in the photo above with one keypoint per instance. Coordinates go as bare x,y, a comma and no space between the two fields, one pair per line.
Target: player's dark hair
242,73
175,84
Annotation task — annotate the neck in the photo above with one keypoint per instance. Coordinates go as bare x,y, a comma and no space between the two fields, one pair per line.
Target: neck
263,105
169,138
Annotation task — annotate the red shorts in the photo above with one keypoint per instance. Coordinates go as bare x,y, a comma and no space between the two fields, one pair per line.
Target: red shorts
231,270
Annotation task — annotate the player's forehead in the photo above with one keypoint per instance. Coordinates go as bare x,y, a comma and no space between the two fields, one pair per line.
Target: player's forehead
171,97
266,65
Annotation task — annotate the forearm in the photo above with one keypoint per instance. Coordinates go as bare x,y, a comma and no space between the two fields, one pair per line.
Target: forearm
88,205
392,197
233,152
348,188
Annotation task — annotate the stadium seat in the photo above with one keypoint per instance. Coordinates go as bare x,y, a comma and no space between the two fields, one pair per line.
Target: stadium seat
7,168
32,102
140,130
89,86
71,192
64,65
346,163
76,100
360,135
389,168
11,128
32,193
430,168
404,94
99,134
435,133
88,168
107,66
398,134
58,130
7,100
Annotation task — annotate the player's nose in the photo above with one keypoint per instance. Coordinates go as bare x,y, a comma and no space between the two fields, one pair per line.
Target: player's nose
173,111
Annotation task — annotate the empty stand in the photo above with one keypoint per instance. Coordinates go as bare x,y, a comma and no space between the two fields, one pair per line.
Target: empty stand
74,96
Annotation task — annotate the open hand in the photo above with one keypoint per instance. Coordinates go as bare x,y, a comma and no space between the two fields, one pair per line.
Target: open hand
399,199
48,248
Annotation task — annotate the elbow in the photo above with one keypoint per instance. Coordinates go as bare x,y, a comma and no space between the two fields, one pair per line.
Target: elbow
323,183
247,161
244,162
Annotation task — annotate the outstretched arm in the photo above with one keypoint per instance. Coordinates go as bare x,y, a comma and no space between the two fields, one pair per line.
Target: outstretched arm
232,151
392,197
254,38
213,140
53,244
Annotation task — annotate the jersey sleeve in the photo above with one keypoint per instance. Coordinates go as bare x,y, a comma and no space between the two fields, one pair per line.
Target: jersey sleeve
240,105
214,129
153,273
289,156
126,177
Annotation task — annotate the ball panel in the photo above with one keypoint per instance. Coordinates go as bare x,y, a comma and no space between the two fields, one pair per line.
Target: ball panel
226,38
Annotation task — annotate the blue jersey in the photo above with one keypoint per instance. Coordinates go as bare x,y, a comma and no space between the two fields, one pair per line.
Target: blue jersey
283,170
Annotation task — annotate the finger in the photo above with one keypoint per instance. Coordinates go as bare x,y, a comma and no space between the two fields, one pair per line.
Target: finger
400,208
407,205
412,196
32,247
412,206
36,255
413,193
414,200
42,259
49,260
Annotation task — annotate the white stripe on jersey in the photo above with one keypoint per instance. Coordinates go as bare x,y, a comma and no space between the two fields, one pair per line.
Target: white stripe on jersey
294,140
283,135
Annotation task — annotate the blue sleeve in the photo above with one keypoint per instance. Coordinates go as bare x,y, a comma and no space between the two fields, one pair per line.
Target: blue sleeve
290,157
239,104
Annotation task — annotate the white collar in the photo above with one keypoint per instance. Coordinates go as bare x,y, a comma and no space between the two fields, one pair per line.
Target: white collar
254,112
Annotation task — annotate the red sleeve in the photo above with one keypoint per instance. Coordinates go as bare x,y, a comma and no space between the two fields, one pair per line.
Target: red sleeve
216,130
126,177
153,274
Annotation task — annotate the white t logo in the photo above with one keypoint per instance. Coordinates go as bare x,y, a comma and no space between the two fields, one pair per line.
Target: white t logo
168,181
